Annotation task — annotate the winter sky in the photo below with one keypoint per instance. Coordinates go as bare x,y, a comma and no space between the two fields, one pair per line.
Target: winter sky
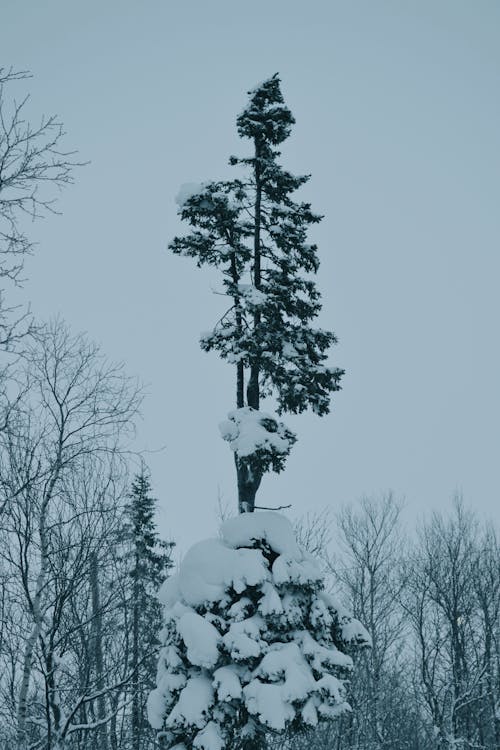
398,121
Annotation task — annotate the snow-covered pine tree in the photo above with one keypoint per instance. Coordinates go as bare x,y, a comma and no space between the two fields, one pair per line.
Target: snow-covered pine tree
256,234
150,559
252,642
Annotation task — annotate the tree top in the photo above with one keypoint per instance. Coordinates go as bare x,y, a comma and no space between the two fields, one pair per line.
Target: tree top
266,117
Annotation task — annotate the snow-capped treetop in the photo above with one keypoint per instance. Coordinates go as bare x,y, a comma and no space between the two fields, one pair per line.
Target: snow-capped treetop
252,642
266,117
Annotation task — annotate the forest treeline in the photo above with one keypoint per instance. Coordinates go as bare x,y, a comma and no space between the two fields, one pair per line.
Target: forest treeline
431,603
81,560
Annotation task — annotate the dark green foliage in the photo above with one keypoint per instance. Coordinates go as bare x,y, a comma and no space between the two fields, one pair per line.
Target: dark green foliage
256,234
151,559
152,556
274,330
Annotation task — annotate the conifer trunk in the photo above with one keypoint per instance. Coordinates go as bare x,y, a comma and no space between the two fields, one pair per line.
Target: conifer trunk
249,480
253,390
248,484
240,375
246,493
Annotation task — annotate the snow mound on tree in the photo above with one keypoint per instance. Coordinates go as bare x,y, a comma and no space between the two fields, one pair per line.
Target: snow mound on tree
209,569
250,528
251,641
248,431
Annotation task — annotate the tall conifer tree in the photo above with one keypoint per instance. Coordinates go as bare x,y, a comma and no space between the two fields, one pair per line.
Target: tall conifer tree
256,234
151,559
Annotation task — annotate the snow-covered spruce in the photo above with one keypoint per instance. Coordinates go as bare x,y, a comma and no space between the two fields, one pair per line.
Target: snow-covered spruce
252,642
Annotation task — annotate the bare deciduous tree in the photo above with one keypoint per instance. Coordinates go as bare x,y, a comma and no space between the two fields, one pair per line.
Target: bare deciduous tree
32,164
450,598
56,476
370,538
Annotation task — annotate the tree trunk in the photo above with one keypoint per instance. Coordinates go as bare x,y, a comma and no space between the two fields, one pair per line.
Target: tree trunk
248,484
22,707
240,384
98,657
54,721
136,708
249,479
112,724
253,389
29,650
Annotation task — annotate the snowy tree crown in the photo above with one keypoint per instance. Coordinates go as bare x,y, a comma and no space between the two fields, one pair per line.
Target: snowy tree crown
269,323
266,117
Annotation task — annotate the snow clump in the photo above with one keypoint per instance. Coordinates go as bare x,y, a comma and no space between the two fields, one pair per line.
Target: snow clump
186,191
258,438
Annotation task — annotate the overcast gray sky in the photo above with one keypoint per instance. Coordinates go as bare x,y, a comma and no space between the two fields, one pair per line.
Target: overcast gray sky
398,121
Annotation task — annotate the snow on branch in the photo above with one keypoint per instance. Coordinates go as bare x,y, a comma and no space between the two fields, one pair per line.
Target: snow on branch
258,437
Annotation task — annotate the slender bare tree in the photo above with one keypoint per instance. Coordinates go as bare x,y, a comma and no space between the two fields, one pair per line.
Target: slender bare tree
486,583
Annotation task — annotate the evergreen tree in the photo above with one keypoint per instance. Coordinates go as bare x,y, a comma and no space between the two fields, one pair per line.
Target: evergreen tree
252,644
151,559
256,234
